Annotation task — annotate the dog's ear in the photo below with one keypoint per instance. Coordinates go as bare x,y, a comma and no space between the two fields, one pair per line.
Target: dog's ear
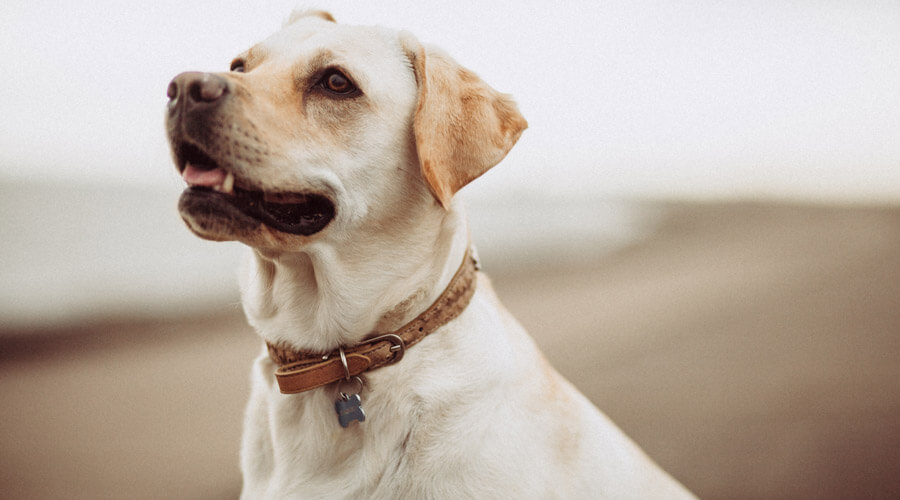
300,14
462,126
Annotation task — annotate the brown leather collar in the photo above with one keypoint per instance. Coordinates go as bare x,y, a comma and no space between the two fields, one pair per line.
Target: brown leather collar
301,371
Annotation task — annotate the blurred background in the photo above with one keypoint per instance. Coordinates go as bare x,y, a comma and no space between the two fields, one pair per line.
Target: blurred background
708,196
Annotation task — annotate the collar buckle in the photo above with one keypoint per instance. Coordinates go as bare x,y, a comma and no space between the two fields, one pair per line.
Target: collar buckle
399,347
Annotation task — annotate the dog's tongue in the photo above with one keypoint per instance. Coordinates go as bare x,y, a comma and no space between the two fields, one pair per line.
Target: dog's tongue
196,176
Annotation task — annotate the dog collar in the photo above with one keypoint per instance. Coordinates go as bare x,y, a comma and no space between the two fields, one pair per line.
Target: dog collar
300,371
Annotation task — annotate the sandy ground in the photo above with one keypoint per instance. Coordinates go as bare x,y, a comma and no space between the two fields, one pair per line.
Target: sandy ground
752,350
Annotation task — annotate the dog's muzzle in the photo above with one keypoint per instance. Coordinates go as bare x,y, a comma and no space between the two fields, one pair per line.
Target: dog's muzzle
204,139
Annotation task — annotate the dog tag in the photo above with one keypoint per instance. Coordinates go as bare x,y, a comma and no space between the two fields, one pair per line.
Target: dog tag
349,408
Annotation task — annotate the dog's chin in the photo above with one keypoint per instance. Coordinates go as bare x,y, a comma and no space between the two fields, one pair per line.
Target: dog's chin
247,216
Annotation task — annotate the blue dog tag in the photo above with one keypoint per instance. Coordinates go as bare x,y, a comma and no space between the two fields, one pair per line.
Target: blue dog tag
349,408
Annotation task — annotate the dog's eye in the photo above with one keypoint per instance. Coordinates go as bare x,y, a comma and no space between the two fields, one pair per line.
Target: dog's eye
237,65
335,81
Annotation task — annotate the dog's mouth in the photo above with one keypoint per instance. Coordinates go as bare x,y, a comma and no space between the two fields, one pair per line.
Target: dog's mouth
213,192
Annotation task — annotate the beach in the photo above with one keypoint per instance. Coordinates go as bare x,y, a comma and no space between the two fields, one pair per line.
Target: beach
752,349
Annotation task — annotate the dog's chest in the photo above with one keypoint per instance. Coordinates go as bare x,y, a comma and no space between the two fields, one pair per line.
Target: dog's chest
310,455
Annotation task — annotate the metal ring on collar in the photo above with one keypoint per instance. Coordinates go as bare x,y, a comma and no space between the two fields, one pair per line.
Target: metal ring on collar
344,363
347,394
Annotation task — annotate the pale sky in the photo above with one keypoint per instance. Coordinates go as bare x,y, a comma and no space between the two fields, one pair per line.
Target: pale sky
661,98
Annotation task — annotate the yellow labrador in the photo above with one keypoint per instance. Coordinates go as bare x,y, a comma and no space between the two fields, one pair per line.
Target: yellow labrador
391,370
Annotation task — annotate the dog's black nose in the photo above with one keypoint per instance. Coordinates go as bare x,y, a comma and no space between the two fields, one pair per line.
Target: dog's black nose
194,88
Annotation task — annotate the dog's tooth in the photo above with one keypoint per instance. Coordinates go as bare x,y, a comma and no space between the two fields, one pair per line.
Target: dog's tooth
228,183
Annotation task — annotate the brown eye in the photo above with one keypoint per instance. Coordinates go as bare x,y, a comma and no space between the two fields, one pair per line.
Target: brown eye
237,65
337,83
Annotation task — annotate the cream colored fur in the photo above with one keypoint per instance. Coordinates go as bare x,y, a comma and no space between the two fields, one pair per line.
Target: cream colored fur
474,410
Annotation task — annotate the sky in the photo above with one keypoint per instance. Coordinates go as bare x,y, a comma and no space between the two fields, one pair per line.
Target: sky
796,99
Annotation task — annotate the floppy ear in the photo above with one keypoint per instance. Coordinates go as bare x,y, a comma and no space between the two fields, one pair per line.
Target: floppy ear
301,13
462,126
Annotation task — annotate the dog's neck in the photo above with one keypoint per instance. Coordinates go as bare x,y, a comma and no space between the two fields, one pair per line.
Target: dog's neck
329,295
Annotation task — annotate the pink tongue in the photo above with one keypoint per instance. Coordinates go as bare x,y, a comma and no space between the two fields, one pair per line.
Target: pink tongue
199,177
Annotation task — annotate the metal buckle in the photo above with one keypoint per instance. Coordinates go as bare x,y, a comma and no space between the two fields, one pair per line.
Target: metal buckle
399,347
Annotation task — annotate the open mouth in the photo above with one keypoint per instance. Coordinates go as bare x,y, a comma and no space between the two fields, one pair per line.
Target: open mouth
212,192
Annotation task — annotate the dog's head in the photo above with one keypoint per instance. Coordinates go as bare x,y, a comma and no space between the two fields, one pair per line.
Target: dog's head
325,125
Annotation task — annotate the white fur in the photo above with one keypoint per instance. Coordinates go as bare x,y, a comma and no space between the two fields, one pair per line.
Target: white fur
474,410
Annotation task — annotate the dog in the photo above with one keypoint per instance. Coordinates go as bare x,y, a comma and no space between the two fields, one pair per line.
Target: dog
390,368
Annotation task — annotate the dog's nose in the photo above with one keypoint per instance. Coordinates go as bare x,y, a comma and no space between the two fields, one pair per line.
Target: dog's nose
194,88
